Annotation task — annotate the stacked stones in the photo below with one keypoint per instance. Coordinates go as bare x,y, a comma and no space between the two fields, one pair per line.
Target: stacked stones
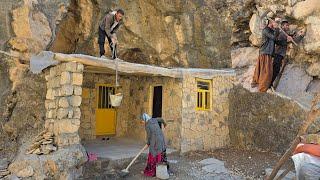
4,168
205,130
87,128
63,100
43,144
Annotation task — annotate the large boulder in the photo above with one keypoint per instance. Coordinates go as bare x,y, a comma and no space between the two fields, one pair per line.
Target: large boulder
244,78
255,28
262,120
243,57
314,86
314,69
65,163
255,25
305,8
312,38
294,83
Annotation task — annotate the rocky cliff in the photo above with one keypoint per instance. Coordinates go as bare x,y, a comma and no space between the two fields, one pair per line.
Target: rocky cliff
300,79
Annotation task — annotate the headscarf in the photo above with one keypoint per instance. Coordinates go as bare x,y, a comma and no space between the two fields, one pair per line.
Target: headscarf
145,117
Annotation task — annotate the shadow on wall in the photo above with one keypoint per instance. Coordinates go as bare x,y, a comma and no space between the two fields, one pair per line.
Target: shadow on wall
263,121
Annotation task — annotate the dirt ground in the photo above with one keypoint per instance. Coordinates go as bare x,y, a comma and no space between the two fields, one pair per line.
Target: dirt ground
242,164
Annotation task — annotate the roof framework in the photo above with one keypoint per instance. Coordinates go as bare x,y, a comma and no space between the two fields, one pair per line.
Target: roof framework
108,66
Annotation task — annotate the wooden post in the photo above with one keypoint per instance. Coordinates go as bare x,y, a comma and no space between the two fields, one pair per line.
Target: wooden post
313,114
290,167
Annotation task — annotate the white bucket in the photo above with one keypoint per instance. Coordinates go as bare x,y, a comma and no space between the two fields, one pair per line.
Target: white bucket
162,171
116,99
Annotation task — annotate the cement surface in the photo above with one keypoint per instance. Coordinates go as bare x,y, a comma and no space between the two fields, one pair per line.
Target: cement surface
116,148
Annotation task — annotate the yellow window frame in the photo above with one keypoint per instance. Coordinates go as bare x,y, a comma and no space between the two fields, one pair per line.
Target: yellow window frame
202,100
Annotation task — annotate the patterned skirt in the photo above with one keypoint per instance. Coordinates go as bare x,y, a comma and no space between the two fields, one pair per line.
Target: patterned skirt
152,162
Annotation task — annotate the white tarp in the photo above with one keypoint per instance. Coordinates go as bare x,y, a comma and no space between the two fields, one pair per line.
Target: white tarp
41,61
307,166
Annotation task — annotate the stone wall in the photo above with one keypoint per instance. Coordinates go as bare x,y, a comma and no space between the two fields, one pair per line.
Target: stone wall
262,120
137,99
88,107
204,130
141,101
88,121
63,99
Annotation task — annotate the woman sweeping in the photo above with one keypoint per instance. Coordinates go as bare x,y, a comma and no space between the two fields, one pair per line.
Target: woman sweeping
156,143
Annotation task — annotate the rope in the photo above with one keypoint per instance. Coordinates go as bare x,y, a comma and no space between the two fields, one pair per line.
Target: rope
116,61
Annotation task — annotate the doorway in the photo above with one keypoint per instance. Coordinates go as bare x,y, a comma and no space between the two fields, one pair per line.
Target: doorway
157,102
105,113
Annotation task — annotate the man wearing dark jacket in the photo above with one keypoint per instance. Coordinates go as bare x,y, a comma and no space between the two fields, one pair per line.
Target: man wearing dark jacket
281,47
263,73
108,28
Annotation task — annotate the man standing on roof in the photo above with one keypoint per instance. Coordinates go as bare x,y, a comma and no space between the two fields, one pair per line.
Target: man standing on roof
108,28
281,47
263,73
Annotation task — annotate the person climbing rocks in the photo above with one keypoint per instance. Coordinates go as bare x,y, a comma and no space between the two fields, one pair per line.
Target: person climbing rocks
263,73
281,47
108,28
157,145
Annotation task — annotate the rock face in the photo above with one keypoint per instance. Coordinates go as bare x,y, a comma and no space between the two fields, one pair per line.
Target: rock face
5,85
22,107
312,39
33,25
162,32
306,8
188,33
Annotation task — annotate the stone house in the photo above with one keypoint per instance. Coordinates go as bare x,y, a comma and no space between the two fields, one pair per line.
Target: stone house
193,102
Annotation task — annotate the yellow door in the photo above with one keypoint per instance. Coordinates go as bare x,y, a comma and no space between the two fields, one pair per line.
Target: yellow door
105,113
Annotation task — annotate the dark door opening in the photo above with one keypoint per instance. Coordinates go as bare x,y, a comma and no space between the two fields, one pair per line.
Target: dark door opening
157,102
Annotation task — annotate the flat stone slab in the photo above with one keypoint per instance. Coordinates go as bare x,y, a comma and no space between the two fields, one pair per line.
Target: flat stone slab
213,165
215,168
291,175
211,161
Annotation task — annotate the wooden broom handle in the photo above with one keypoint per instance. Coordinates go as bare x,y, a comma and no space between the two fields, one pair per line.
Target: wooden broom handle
311,117
282,31
134,159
